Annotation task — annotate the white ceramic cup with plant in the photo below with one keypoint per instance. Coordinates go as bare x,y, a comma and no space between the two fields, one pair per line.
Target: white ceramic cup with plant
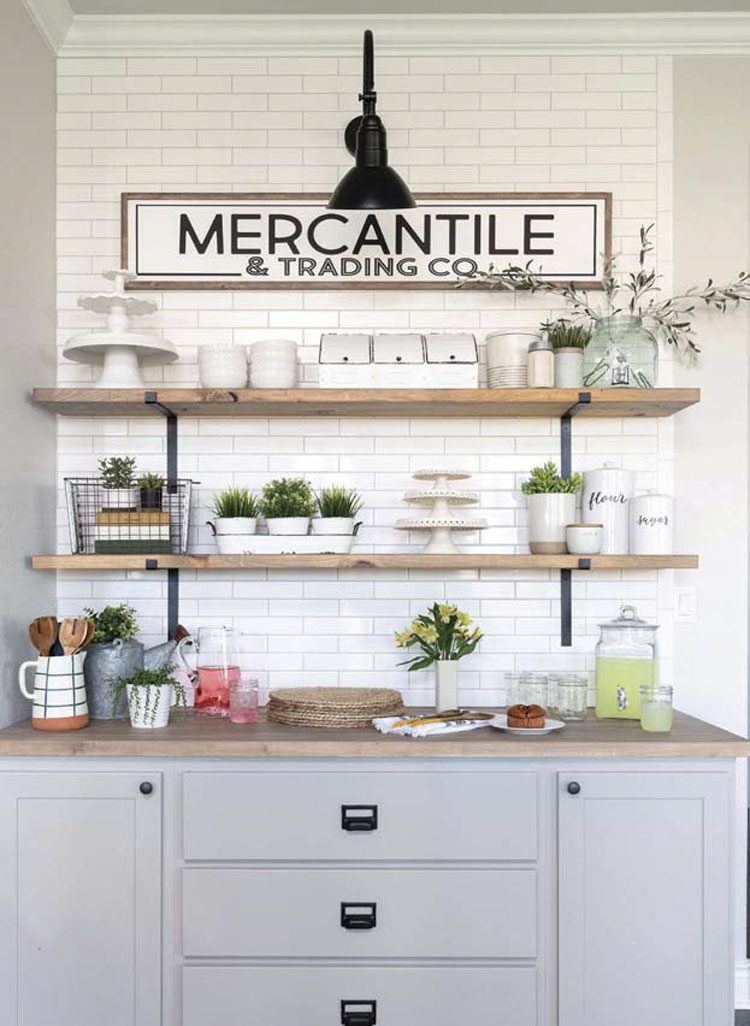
151,695
445,635
235,512
117,478
552,506
337,510
568,343
287,504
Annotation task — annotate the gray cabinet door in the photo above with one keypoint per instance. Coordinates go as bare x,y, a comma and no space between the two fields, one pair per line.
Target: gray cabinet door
644,885
80,899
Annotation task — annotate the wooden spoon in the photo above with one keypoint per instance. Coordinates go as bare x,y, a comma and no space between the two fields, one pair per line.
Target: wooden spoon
72,635
90,628
43,633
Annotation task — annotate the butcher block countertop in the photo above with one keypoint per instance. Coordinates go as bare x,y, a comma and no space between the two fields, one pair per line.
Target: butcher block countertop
190,736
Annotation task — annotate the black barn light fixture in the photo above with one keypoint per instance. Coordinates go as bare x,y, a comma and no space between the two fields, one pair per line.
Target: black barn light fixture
371,184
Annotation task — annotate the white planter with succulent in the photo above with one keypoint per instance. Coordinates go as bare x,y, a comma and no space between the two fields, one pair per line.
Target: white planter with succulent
235,519
117,478
151,695
337,510
552,506
287,504
445,635
568,343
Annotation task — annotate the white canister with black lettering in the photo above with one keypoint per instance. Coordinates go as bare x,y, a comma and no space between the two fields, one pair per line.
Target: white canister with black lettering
652,524
605,499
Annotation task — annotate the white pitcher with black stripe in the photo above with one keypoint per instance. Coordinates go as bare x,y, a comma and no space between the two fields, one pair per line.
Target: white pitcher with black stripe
59,695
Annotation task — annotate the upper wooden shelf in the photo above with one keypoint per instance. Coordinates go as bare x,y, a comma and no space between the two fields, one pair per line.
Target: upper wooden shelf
367,561
366,402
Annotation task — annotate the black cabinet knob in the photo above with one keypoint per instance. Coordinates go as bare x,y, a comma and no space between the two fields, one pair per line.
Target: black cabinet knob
146,787
574,787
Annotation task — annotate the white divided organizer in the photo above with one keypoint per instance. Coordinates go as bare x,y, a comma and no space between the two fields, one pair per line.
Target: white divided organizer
440,360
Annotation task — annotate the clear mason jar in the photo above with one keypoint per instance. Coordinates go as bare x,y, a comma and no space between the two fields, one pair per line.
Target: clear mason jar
570,691
621,353
656,708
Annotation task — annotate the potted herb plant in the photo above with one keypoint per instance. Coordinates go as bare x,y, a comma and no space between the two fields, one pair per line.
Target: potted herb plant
337,508
287,503
150,695
445,635
235,511
151,486
116,474
568,343
113,653
552,506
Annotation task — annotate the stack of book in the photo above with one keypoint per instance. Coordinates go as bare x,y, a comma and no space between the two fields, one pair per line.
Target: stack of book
125,532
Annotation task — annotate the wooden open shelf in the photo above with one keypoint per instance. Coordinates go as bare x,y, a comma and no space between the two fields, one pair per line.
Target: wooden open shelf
381,402
367,561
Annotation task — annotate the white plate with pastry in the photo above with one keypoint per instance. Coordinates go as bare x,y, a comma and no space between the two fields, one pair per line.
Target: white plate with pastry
500,722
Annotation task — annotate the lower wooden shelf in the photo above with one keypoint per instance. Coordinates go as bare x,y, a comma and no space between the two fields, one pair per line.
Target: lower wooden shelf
367,561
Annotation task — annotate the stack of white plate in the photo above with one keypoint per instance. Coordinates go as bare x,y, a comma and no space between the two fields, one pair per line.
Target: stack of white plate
506,358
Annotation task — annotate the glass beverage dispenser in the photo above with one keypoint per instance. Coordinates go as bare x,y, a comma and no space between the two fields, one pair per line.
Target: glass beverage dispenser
625,661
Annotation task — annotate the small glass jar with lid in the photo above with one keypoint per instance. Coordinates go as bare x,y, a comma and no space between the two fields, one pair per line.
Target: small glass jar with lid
625,662
540,367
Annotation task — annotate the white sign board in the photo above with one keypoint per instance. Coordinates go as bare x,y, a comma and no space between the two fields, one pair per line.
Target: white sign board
240,241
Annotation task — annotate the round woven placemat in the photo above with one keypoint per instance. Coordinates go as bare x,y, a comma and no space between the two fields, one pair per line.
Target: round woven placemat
332,707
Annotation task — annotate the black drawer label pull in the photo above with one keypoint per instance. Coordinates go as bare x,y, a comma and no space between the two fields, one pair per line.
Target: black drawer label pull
359,818
359,1013
359,915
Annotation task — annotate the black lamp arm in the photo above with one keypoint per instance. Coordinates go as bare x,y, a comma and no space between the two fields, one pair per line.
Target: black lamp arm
368,96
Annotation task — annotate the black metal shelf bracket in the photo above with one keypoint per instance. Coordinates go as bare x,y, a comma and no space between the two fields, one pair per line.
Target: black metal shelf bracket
173,575
566,468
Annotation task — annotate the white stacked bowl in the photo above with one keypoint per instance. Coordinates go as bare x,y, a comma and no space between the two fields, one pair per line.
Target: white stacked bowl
222,365
273,363
507,355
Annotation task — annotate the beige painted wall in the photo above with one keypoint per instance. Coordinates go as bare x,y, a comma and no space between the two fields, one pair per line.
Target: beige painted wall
27,349
712,235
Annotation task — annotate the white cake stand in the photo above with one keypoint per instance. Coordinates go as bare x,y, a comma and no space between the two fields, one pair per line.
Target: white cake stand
442,499
441,543
118,347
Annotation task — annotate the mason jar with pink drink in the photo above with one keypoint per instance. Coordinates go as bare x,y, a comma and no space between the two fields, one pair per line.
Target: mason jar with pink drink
216,668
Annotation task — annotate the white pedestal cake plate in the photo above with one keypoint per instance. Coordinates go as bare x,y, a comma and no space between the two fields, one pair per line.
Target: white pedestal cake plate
442,499
118,347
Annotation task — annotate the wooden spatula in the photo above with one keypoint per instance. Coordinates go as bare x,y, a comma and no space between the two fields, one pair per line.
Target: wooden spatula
43,633
90,628
72,635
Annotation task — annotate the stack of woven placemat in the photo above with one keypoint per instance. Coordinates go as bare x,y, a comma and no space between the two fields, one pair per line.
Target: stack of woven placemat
332,707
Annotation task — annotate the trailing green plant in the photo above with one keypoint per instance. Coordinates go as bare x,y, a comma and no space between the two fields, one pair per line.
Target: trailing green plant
337,501
635,293
443,632
150,481
545,480
113,623
564,335
117,471
287,497
235,502
144,686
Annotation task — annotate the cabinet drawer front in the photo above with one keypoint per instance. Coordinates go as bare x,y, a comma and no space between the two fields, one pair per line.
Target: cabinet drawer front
273,996
289,815
419,913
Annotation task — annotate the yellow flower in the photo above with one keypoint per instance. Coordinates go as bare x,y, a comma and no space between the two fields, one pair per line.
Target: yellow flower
476,633
424,632
446,611
403,638
464,619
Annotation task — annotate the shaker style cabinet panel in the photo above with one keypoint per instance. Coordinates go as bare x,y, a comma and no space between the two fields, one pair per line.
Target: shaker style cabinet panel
80,899
345,816
358,996
644,891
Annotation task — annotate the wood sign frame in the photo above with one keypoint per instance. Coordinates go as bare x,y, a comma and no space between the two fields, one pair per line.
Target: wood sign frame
148,218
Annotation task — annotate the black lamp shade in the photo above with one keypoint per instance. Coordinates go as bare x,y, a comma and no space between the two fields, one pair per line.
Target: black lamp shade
371,184
371,188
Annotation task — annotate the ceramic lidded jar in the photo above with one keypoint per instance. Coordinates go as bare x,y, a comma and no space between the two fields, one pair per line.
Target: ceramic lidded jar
652,524
621,353
605,500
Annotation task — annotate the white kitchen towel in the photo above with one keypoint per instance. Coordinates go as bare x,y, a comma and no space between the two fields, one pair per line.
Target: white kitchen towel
386,725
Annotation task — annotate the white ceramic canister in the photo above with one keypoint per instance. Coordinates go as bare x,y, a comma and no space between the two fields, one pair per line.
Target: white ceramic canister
507,354
568,367
222,365
605,499
540,369
273,363
652,524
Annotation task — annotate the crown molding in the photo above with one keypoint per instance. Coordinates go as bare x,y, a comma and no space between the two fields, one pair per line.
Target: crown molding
448,34
53,18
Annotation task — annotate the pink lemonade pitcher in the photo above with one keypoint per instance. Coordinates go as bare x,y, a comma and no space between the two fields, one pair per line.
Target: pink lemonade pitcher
216,668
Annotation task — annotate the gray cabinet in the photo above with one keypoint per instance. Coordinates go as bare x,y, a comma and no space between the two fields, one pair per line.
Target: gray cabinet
80,899
644,899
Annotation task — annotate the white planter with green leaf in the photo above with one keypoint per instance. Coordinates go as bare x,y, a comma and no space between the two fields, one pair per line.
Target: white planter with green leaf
287,504
235,514
337,508
552,506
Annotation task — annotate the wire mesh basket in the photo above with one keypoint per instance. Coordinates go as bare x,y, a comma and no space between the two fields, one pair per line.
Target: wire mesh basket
127,521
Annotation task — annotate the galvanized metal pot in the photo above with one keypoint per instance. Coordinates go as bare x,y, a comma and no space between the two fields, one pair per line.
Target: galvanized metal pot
105,662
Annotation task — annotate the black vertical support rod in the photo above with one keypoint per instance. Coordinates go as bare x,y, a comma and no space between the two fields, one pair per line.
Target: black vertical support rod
566,468
173,576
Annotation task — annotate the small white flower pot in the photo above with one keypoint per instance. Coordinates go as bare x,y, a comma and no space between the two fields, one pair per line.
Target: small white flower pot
159,705
235,525
333,525
121,498
549,514
584,539
569,367
288,525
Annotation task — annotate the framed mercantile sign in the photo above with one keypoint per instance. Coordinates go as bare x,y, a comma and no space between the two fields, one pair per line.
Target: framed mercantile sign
291,240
